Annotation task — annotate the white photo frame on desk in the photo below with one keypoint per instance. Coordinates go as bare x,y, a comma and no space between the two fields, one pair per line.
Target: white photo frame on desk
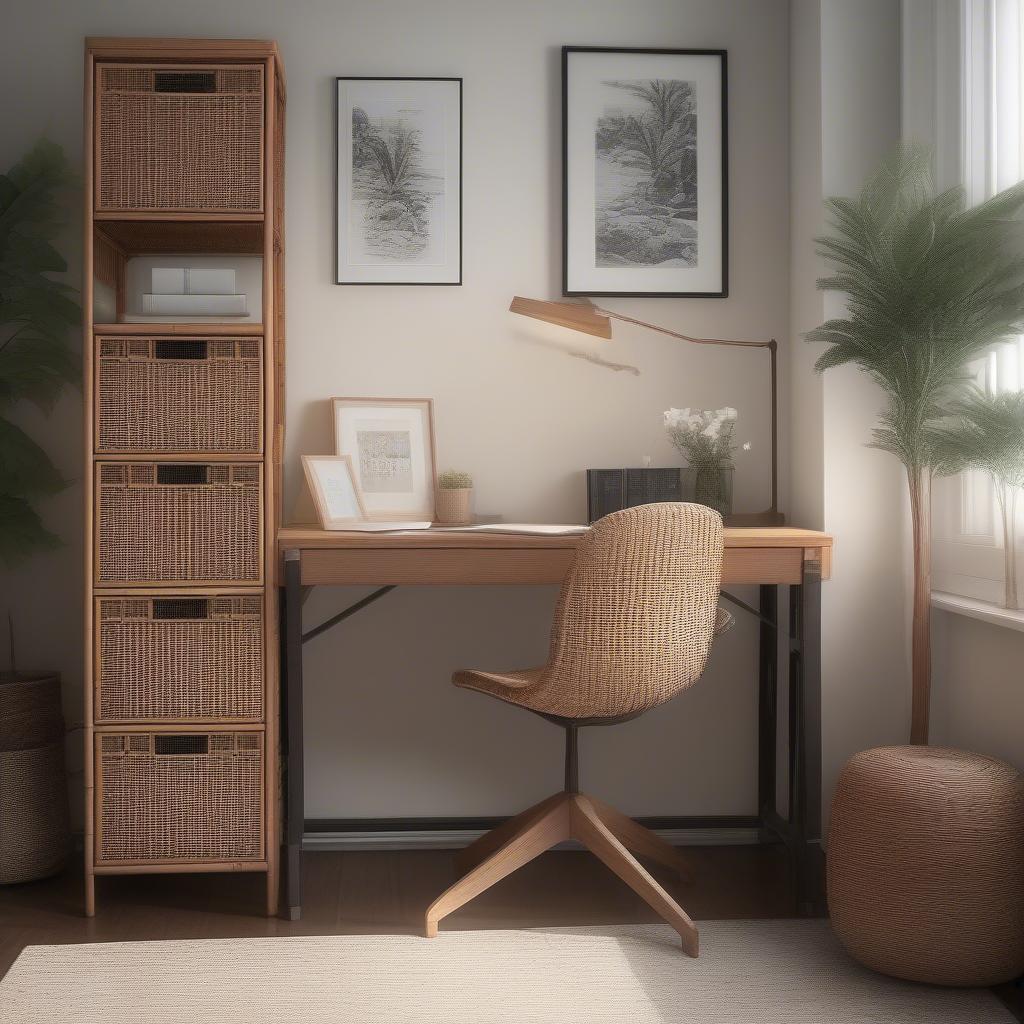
391,444
335,489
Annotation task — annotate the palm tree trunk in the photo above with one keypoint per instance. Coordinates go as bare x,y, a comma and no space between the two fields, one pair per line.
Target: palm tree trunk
921,653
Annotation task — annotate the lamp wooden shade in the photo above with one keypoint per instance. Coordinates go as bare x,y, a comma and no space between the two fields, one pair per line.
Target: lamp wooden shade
593,320
574,315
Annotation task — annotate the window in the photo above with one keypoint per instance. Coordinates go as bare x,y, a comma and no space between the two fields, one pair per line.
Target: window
988,150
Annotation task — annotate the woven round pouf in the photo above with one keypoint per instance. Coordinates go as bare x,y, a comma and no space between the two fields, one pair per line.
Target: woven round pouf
926,865
34,827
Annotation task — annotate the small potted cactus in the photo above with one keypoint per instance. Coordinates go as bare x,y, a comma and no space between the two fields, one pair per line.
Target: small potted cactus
454,491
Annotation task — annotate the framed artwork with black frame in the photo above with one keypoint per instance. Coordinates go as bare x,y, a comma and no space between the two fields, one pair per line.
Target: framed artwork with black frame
645,203
398,176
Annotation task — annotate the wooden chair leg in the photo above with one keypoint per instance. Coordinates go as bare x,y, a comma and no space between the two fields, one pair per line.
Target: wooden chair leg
586,826
642,841
533,839
480,849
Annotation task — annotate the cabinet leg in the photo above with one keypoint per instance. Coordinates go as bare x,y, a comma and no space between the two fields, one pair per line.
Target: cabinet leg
90,894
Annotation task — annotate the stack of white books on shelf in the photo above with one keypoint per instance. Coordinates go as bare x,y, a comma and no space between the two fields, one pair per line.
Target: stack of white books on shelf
191,291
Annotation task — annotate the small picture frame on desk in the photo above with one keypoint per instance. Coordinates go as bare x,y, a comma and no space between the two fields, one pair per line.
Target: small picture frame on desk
335,490
391,444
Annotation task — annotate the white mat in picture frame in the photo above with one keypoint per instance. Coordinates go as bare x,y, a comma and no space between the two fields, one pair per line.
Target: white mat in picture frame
391,444
335,490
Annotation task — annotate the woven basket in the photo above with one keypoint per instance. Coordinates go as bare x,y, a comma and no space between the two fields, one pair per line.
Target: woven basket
926,865
179,797
177,522
179,395
179,658
34,829
184,139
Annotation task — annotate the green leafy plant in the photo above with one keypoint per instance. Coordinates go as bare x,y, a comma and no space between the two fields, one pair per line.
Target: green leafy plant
453,480
36,361
930,284
986,432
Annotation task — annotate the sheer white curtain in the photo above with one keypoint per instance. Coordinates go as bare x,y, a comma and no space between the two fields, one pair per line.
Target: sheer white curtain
963,94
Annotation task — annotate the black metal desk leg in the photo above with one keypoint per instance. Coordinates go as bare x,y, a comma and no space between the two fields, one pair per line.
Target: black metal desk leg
805,719
767,702
294,796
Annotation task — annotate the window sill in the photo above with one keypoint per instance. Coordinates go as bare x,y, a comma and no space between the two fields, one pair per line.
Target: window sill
976,609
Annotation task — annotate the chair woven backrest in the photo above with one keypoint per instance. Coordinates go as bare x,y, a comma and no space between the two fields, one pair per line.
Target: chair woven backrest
636,615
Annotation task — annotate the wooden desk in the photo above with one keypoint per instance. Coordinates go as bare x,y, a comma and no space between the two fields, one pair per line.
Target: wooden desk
768,557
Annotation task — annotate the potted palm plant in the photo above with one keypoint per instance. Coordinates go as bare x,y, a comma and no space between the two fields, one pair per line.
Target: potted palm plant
37,314
930,283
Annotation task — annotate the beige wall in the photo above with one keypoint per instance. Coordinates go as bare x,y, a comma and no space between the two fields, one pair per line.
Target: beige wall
845,119
387,733
978,687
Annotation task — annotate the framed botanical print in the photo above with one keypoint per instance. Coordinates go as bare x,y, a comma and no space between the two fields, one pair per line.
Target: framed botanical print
399,181
645,175
391,444
335,490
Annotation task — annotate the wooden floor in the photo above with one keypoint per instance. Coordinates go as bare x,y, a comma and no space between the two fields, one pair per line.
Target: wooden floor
379,893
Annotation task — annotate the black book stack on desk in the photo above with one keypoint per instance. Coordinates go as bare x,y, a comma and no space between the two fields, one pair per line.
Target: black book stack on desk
610,490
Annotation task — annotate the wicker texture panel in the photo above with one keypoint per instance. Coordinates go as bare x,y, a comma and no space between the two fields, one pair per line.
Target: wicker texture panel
635,620
178,669
179,151
926,865
35,836
180,405
153,532
188,806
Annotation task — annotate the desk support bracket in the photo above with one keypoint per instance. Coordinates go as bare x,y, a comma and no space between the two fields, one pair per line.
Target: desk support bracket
765,618
344,614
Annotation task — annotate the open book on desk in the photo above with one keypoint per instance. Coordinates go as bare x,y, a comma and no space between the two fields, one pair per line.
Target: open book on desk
523,529
372,526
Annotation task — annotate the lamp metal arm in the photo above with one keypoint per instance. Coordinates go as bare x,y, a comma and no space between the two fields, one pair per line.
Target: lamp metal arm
684,337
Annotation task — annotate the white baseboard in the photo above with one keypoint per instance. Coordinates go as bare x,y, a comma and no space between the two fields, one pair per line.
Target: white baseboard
453,839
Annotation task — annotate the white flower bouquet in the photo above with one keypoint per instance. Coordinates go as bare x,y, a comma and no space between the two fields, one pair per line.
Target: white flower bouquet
704,437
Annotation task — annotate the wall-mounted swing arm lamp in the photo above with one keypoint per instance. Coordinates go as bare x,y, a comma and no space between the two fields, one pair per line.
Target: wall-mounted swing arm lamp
595,321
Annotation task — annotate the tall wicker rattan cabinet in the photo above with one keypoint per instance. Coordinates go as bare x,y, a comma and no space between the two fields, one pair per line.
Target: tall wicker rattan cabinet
184,159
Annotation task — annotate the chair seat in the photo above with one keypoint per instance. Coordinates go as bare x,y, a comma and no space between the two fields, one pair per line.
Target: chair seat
516,687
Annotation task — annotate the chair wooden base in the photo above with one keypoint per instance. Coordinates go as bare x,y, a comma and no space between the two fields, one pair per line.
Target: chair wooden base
607,833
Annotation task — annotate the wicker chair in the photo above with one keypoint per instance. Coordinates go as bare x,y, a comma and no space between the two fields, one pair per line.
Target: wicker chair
633,627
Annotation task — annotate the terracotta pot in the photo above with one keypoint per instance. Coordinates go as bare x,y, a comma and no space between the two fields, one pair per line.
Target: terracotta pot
452,505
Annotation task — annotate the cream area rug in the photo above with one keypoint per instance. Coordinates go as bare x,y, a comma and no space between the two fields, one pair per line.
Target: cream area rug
754,972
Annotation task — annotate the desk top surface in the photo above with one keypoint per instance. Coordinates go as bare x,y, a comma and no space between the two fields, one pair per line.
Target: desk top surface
295,537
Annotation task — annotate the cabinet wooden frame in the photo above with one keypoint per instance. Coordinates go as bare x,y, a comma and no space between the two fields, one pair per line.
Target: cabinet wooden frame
110,238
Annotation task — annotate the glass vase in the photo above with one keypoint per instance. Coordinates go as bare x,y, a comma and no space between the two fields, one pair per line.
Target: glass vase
709,485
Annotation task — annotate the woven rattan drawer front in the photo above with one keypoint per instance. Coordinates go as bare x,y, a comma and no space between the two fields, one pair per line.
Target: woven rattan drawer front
167,523
179,658
186,139
179,395
180,797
